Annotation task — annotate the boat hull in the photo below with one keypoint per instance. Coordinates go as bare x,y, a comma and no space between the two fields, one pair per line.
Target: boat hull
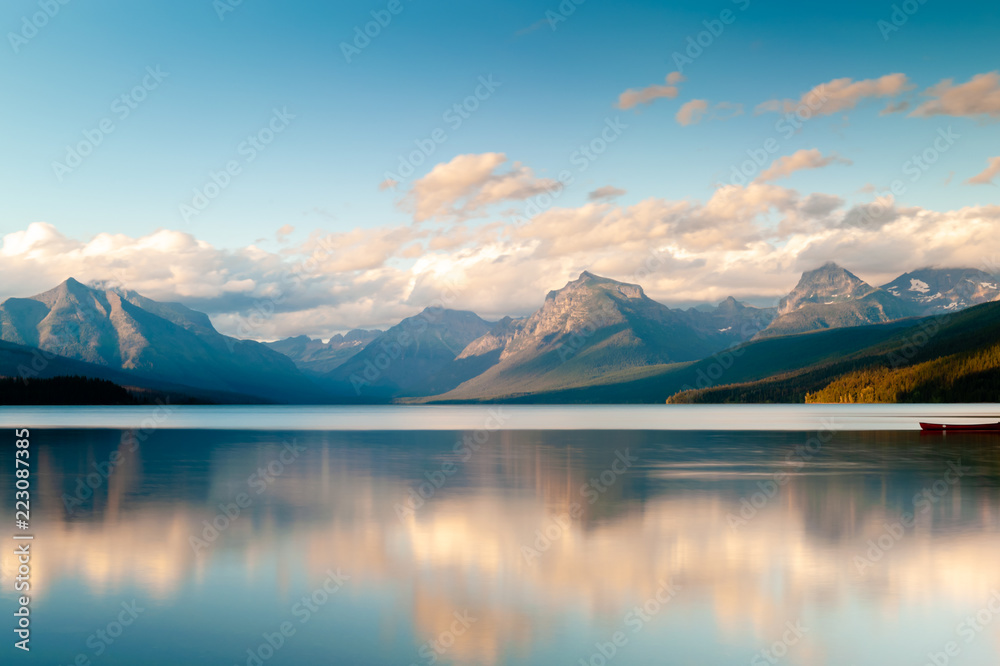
947,427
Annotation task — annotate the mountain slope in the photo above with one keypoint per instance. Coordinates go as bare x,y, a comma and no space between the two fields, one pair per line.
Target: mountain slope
414,357
950,358
591,327
165,342
831,297
734,322
826,285
939,290
875,307
316,356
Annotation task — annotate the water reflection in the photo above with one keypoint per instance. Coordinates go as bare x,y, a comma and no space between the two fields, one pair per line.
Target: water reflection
544,541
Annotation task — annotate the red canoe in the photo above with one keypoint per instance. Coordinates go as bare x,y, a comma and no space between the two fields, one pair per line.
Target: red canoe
976,427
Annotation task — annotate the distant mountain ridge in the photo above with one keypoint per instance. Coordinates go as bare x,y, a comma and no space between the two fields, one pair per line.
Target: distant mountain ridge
316,356
417,356
167,342
940,290
593,337
591,327
832,297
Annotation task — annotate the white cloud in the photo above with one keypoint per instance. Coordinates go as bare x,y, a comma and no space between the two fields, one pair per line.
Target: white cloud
742,241
784,167
468,184
839,95
979,96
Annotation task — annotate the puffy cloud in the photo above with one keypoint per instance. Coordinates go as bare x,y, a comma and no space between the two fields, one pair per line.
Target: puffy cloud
634,97
839,95
979,96
986,176
749,241
784,167
692,112
605,193
466,185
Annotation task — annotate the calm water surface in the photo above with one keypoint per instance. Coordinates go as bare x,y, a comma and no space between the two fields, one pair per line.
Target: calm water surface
511,547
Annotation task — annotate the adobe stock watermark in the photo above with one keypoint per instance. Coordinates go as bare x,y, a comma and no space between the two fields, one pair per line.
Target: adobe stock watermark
786,126
968,630
901,13
722,361
795,460
410,330
303,610
101,640
87,485
257,482
591,491
223,7
31,24
634,621
582,158
40,358
364,34
917,341
924,501
472,443
121,108
454,117
699,42
578,339
553,17
437,647
246,152
776,651
915,167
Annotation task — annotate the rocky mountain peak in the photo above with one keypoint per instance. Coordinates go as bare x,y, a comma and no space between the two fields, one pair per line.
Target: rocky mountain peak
826,285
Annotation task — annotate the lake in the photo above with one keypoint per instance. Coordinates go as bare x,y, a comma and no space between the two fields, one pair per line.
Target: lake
583,535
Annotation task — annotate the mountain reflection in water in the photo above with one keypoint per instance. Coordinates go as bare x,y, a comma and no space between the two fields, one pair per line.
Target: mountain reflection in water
536,548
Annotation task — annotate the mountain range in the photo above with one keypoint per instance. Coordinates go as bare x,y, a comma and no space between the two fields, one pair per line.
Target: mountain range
120,335
596,339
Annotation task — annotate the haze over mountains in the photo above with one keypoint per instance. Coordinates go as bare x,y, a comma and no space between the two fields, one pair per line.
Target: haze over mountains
594,332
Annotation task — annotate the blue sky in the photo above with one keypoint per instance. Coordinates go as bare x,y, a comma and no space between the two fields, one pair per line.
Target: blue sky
228,71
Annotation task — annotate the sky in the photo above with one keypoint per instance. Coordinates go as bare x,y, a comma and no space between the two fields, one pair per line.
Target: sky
312,167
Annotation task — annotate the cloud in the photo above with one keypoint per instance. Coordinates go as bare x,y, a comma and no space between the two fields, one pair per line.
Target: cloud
466,185
895,107
605,193
839,95
749,241
986,176
979,96
533,27
733,108
634,97
692,112
387,184
784,167
284,232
